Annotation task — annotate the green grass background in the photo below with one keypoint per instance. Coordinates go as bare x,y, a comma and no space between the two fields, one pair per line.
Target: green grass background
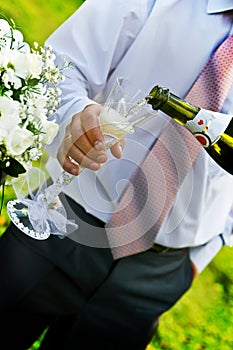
203,318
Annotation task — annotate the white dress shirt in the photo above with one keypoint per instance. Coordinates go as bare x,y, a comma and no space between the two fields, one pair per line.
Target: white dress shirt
162,42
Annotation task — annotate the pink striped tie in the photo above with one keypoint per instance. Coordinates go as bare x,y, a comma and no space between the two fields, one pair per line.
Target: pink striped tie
211,88
151,191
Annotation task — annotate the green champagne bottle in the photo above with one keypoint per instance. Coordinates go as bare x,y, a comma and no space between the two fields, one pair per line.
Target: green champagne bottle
212,129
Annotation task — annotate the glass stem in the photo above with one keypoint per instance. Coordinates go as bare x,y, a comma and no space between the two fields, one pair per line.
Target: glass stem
63,180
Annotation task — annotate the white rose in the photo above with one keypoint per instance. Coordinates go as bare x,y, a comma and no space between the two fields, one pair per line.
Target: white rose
24,47
4,27
18,39
50,129
25,64
9,77
9,113
18,140
4,33
3,133
4,57
20,63
35,65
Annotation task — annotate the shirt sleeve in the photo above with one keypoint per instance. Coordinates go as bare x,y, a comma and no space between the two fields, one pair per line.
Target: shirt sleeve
228,233
202,255
94,39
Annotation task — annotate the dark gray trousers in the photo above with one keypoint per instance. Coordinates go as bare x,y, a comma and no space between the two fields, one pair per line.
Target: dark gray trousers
87,299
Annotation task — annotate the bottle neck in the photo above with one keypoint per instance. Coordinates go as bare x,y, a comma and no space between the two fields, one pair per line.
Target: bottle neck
178,109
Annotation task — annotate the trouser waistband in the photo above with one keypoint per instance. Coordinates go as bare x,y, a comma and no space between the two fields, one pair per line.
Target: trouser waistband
162,249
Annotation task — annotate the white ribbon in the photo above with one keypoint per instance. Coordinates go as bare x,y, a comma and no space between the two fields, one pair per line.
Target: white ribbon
42,215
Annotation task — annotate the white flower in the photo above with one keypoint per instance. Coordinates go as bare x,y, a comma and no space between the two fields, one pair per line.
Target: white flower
19,62
23,64
4,27
50,129
9,77
35,153
4,57
28,98
5,31
35,65
18,140
17,39
9,114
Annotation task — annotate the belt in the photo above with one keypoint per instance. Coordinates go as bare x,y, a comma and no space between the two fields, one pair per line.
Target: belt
161,249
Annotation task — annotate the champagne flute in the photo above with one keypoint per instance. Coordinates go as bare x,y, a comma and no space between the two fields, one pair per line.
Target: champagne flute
121,112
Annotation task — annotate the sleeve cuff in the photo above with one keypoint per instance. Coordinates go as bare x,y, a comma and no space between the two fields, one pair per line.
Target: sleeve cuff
201,256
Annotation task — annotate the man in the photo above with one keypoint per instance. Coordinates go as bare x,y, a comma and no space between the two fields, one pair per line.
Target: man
73,284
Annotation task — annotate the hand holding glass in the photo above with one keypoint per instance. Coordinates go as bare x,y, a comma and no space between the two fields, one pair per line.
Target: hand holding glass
120,113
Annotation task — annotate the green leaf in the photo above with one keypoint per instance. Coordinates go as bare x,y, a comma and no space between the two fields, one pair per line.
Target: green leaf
2,196
33,82
15,168
2,187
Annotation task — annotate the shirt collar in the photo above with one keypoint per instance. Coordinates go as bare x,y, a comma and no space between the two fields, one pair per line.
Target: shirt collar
215,6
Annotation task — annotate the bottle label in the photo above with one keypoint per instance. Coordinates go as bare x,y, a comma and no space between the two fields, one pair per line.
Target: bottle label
208,126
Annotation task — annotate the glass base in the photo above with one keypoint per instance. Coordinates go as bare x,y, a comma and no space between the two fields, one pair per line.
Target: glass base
18,213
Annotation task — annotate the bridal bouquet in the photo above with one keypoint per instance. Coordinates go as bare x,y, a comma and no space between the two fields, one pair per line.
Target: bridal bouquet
28,99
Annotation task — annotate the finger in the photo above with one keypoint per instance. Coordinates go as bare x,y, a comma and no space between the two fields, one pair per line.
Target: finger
91,125
72,167
84,135
117,148
84,145
67,164
69,156
83,159
63,158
